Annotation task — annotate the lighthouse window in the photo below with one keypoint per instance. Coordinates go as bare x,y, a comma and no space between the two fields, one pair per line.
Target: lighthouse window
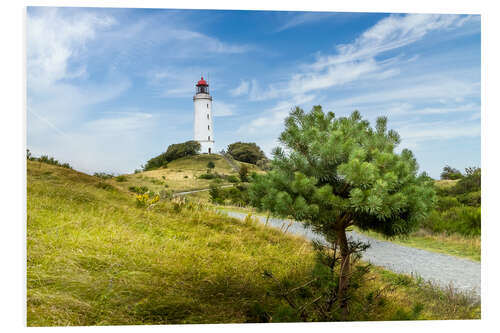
207,105
208,138
208,116
209,127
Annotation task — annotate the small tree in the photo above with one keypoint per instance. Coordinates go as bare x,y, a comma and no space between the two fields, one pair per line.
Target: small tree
210,166
243,172
338,172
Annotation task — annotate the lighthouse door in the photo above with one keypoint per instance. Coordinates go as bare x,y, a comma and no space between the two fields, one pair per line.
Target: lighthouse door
210,150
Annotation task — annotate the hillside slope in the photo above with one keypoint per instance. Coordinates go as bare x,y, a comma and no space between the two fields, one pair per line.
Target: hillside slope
182,174
96,259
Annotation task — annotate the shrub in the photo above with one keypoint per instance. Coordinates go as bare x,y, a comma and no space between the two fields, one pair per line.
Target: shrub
186,177
464,220
145,200
210,165
264,164
173,152
105,186
215,193
447,202
471,182
121,178
206,176
103,175
47,160
247,152
138,189
155,181
232,179
450,173
243,172
470,199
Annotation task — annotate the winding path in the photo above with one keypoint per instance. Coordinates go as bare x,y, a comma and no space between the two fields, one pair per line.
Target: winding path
444,270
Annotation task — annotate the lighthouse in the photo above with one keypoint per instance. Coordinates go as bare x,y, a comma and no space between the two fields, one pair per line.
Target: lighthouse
203,125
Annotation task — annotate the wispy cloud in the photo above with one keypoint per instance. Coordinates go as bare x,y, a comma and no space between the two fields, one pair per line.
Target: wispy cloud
242,89
222,109
54,39
377,85
296,19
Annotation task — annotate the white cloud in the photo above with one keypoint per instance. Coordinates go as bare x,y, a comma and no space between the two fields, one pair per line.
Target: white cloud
376,86
221,109
273,118
297,19
242,89
391,33
53,39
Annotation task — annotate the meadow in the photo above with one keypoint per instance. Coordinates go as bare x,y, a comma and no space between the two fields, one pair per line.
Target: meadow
95,258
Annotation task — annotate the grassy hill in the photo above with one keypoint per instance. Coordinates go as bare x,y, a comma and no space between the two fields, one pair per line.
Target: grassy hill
181,174
94,258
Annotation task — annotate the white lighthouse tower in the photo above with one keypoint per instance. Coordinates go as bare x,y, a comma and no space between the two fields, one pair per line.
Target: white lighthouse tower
203,128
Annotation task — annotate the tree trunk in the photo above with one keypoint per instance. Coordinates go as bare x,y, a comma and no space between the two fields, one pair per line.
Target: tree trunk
345,271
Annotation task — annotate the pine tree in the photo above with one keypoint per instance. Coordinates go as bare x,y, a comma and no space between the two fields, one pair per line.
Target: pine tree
333,173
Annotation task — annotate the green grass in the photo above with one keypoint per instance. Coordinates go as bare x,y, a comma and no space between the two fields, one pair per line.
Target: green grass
94,258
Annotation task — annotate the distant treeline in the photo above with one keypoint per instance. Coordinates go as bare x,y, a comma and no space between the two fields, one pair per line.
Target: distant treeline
46,159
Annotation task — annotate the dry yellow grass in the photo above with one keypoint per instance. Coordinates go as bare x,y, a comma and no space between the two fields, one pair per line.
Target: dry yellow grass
445,183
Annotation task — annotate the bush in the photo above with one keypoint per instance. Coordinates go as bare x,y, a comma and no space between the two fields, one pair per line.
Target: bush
232,179
243,172
103,175
121,178
450,173
47,160
447,202
472,199
471,182
464,220
264,164
138,189
105,186
206,176
173,152
247,152
145,200
215,193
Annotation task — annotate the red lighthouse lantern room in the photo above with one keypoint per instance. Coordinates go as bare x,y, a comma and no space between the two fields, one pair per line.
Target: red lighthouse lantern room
202,87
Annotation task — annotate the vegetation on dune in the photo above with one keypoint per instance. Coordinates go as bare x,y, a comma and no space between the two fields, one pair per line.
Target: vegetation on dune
95,258
459,206
174,151
183,174
247,152
336,173
46,159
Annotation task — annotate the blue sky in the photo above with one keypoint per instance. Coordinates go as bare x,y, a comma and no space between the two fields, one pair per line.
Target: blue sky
107,89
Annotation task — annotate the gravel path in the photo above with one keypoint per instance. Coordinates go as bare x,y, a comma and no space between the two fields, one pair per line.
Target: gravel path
444,270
